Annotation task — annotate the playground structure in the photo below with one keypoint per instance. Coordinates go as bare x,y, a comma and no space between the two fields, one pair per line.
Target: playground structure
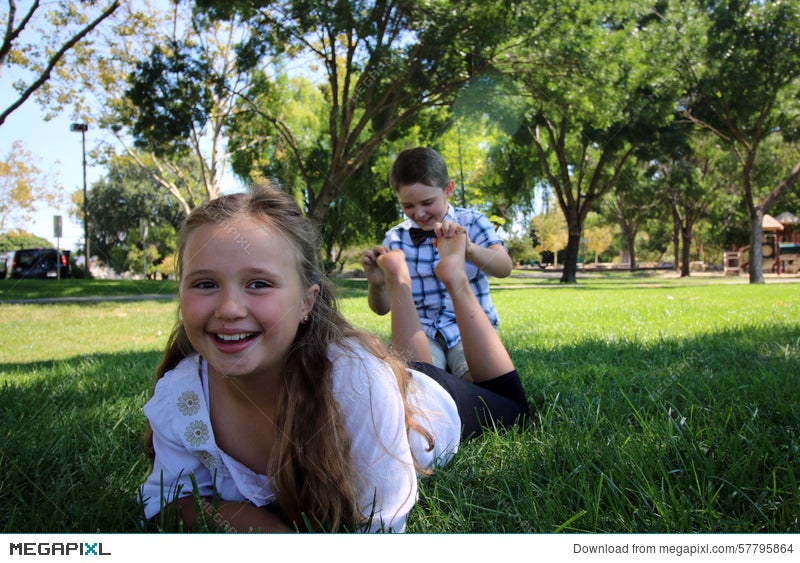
780,247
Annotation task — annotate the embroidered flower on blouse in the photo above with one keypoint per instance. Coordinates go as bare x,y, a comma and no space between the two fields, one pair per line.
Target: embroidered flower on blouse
188,403
196,433
206,458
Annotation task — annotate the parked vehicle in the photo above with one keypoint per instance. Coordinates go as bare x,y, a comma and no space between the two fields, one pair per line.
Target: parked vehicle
40,263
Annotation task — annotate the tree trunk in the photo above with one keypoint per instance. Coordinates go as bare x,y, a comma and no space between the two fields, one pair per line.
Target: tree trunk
632,253
569,274
686,251
629,234
676,241
756,266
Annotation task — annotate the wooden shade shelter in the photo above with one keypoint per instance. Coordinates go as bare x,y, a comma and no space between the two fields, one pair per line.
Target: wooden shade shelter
791,226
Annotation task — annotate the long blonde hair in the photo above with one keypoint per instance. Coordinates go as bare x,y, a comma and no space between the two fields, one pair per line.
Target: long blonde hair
312,471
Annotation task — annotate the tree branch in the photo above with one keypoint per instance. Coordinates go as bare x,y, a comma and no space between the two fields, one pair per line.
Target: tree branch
55,59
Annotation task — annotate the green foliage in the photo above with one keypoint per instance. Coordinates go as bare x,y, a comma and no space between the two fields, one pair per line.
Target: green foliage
17,239
118,205
521,97
40,38
753,54
23,187
173,95
380,68
521,250
595,99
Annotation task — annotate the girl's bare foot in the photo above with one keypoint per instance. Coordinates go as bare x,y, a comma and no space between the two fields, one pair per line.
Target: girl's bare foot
394,268
451,269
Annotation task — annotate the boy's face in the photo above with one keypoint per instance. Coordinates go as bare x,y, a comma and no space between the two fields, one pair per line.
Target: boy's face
423,204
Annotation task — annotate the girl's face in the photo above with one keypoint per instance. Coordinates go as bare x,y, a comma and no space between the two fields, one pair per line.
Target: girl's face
423,204
242,297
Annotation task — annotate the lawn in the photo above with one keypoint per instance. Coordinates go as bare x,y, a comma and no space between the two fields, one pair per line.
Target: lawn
661,405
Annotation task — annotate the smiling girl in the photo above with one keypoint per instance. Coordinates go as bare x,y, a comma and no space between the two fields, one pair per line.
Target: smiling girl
270,412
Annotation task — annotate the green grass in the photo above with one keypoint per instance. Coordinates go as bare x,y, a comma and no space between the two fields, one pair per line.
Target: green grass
660,405
12,290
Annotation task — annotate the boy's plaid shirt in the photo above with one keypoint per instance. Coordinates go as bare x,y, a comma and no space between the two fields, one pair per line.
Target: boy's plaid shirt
433,302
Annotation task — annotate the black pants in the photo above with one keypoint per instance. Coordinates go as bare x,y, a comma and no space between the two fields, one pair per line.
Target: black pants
499,402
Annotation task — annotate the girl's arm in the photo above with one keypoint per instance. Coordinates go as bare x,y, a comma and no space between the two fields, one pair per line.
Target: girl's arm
228,516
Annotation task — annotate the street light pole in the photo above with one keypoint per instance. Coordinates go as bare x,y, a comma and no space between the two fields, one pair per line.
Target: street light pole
83,127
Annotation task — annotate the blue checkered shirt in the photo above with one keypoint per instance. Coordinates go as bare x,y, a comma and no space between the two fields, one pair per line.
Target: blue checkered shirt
433,302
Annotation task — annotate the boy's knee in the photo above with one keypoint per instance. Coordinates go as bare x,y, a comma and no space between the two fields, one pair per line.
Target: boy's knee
457,362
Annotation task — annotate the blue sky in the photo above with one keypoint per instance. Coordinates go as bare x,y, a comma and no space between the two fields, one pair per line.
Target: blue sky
57,152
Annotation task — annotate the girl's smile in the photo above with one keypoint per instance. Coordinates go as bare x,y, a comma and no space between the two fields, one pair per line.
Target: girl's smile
242,304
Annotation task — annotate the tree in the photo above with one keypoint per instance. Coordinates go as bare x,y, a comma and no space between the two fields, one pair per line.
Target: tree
23,187
298,126
689,183
143,41
521,250
746,74
381,64
598,240
631,201
483,116
19,238
34,42
552,232
120,202
598,94
182,101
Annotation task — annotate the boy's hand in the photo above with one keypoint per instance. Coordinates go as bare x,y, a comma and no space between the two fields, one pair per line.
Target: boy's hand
369,261
449,229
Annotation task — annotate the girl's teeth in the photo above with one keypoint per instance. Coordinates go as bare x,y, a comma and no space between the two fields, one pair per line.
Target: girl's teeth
233,337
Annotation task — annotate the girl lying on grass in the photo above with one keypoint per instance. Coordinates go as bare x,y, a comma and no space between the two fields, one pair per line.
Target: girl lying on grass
270,412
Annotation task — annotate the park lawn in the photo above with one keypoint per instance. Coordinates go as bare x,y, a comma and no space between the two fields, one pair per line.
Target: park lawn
657,407
72,288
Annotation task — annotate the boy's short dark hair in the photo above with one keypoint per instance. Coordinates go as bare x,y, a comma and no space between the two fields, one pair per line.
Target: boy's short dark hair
419,165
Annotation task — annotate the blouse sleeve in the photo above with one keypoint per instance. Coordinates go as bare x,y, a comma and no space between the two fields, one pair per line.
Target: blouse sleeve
373,412
174,465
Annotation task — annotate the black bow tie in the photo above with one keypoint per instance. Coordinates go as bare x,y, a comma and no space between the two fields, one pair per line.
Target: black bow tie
418,236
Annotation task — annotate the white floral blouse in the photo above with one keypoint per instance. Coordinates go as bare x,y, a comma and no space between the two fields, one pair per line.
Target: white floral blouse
367,394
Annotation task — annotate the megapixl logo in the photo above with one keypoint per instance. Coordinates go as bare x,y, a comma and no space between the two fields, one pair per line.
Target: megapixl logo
57,548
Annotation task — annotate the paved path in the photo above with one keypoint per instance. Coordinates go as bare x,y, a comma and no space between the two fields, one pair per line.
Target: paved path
90,299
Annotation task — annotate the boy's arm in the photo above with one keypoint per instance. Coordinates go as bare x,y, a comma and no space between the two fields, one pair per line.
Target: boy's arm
493,260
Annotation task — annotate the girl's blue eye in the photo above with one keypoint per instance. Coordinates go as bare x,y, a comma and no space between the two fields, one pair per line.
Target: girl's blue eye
258,284
205,285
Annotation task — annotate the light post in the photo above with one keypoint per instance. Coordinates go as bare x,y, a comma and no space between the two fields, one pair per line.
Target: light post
143,228
83,127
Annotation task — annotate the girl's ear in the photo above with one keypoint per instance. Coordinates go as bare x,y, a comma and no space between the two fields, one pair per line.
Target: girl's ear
307,304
